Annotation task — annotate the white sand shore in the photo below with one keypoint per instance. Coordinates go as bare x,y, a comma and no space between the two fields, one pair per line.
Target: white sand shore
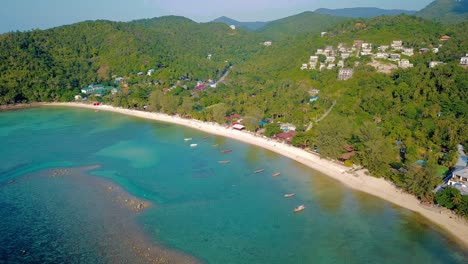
357,180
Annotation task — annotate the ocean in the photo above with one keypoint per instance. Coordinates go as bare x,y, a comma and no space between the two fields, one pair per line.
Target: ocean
72,182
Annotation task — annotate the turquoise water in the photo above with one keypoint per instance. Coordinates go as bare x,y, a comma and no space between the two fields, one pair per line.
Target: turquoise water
218,213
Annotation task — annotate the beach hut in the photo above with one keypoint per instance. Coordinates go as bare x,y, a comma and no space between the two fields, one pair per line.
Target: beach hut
238,126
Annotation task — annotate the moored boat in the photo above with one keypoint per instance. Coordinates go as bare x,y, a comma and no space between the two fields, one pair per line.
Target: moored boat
193,145
224,161
276,174
226,150
299,208
187,139
260,170
288,195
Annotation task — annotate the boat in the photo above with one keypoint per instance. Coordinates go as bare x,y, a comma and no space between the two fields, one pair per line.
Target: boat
276,174
299,208
226,150
224,161
193,145
187,139
289,195
260,170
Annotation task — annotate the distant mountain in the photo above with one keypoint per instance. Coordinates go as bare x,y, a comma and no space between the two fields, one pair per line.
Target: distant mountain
306,22
251,26
446,11
364,12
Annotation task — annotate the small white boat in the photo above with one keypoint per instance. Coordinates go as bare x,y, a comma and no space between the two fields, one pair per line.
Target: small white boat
224,161
288,195
187,139
193,145
276,174
299,208
260,170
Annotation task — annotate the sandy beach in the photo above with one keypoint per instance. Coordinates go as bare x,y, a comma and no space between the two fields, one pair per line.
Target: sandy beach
358,180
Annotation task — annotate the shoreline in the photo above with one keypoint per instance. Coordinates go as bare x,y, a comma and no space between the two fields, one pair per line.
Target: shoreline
357,180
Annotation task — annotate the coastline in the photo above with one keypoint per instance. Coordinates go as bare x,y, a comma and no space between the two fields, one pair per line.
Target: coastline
357,180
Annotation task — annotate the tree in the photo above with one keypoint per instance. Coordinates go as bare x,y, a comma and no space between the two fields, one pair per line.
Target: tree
332,135
375,152
272,129
421,180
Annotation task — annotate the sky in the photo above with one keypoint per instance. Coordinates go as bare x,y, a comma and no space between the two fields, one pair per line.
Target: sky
33,14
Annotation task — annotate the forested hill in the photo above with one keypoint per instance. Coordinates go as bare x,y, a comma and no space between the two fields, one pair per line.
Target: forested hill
446,11
40,65
306,22
364,12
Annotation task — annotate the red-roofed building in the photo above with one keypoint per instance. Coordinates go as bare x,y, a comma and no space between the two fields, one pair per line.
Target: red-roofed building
165,90
349,154
286,136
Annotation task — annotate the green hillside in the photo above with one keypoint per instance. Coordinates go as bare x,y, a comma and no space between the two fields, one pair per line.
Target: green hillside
363,12
446,11
46,65
306,22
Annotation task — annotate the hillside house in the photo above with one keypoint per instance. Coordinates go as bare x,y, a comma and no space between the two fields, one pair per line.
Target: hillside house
383,48
330,59
209,56
322,66
150,72
323,34
395,57
397,45
345,74
464,60
404,63
267,43
345,55
320,52
381,55
408,52
340,63
331,66
358,44
313,62
434,64
232,27
329,51
305,66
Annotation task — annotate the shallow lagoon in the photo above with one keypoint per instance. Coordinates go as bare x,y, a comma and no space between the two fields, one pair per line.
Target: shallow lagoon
217,213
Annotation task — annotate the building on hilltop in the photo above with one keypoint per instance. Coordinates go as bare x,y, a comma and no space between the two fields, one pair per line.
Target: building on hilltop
232,27
304,66
345,73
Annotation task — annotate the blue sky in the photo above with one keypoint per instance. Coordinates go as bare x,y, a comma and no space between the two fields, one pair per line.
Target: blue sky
32,14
